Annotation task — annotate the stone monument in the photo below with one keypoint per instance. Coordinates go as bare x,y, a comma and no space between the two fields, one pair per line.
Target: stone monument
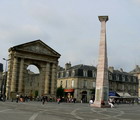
102,84
32,53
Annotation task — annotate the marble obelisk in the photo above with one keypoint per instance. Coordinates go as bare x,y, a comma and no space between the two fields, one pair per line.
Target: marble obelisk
102,84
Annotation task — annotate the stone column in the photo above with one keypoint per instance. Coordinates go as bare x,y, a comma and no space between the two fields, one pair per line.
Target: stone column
14,75
53,80
102,85
47,79
21,71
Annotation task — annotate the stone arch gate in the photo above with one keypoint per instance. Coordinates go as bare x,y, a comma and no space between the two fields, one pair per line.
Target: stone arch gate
36,53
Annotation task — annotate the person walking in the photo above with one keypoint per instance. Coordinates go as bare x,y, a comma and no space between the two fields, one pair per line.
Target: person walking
43,100
111,102
17,98
58,100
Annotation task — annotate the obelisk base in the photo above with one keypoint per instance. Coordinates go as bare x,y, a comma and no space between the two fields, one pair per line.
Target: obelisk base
99,105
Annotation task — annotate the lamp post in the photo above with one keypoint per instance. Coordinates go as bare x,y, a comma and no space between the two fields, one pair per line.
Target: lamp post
4,80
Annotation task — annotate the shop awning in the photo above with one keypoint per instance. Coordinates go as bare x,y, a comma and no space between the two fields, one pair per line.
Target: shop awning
123,94
112,93
68,90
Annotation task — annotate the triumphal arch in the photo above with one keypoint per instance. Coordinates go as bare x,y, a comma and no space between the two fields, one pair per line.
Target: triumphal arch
36,53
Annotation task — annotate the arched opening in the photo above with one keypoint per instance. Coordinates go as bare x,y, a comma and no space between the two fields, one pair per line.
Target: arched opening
33,69
32,82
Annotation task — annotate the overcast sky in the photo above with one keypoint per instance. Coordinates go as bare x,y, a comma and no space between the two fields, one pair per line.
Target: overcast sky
72,28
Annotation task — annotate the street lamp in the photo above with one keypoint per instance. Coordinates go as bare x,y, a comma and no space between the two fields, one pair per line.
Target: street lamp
3,87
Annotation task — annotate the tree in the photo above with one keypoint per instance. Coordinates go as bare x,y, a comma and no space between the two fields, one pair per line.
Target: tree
60,92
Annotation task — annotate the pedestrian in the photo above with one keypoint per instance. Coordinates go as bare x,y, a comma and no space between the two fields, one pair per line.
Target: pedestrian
43,100
90,101
17,98
74,100
111,102
58,100
81,100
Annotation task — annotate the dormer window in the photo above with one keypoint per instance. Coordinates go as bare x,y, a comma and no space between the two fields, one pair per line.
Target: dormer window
62,74
93,74
123,78
67,74
85,73
73,73
117,77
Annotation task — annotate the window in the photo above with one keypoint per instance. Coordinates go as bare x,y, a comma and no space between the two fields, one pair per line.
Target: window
67,74
123,78
66,83
72,83
94,84
61,83
117,77
110,76
85,84
94,74
85,73
73,73
61,74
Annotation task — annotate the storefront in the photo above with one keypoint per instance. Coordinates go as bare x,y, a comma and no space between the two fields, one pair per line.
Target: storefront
69,93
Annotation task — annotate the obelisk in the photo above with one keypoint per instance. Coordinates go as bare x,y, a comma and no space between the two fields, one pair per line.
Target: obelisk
102,84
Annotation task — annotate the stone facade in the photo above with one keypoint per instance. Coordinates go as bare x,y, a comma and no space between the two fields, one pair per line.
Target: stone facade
32,53
136,72
122,82
32,84
80,79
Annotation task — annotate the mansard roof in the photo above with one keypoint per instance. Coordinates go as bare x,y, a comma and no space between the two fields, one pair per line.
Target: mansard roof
120,72
84,67
136,70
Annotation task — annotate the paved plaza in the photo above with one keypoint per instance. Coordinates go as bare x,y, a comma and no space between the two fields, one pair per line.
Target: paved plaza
66,111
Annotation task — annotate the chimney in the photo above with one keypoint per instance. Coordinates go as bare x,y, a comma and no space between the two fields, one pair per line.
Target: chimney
121,70
111,69
67,65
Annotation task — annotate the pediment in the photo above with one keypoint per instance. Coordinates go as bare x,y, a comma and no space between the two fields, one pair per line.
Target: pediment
37,47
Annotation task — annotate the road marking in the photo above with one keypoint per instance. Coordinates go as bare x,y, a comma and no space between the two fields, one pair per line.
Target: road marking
99,112
5,110
74,114
34,116
119,114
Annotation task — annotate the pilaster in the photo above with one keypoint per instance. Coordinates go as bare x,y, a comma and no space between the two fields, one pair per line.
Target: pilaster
47,79
14,75
20,84
53,80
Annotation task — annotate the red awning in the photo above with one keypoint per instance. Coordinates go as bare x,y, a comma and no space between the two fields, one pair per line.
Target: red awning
68,90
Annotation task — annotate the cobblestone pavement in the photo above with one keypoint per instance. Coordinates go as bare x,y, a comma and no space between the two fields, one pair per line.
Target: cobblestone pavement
66,111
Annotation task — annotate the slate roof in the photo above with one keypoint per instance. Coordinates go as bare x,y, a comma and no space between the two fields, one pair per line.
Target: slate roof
136,70
84,67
